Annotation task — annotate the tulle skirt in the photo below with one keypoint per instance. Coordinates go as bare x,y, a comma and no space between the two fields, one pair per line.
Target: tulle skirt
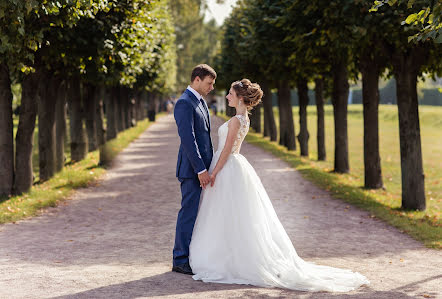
239,239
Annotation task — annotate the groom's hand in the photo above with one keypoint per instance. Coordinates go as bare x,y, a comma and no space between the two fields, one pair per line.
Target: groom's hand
204,179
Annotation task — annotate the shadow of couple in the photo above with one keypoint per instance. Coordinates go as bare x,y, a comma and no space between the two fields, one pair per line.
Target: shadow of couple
179,285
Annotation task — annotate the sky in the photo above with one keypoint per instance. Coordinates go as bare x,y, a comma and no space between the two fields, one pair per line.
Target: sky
219,12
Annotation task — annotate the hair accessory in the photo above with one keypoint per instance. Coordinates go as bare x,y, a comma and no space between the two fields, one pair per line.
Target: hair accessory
240,84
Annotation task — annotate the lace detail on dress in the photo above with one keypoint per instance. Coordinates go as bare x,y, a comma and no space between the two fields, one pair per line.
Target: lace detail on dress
242,132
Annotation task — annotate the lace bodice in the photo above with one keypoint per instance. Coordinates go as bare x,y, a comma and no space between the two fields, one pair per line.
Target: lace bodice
242,132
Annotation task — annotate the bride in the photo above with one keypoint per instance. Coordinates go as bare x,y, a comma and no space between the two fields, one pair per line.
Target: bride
237,236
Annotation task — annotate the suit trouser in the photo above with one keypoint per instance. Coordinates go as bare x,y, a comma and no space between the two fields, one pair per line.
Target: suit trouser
190,192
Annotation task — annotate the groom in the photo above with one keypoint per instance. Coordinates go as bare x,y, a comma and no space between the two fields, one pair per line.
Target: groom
194,157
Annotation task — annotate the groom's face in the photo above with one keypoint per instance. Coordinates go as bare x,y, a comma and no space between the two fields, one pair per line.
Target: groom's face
205,86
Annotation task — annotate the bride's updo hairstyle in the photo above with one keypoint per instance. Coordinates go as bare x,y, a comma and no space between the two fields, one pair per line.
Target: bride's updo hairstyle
251,93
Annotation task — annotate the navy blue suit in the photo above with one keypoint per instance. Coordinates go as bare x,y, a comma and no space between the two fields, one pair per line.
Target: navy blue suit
195,155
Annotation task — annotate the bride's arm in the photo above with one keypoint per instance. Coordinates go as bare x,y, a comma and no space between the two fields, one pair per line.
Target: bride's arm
233,126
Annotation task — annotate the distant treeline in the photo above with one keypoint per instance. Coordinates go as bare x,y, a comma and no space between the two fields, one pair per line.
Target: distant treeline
427,96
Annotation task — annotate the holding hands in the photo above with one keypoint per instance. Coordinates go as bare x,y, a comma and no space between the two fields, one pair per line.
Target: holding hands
206,179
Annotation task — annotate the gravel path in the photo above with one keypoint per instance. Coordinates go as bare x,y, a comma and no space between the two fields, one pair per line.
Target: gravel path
115,240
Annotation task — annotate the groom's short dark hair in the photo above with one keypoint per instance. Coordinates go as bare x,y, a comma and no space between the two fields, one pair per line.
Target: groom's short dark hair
202,71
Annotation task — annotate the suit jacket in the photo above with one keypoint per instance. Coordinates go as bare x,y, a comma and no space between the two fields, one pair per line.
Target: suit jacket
196,149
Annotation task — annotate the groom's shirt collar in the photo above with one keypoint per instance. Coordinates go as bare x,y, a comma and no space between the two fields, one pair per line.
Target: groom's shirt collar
197,95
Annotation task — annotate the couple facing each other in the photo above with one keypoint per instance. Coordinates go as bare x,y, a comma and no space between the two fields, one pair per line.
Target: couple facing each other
227,230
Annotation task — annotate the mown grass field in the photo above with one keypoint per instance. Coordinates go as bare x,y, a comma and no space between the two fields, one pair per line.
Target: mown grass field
384,203
431,135
60,187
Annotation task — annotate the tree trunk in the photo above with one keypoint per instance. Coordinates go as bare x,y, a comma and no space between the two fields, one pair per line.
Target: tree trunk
339,99
141,104
127,96
256,119
266,127
46,126
6,133
90,107
370,99
79,144
119,109
100,94
320,136
151,106
286,124
24,176
133,105
269,118
60,126
406,67
137,106
303,135
101,130
124,98
111,115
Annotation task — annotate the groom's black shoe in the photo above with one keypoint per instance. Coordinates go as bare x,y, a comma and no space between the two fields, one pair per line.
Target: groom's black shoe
185,269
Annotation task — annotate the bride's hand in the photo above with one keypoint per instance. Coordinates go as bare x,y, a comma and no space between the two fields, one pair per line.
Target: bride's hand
212,179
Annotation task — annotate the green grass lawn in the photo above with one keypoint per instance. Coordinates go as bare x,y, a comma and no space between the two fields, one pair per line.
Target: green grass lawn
59,187
425,226
431,134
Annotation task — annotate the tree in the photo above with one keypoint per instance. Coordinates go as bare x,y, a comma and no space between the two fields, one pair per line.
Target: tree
6,139
320,124
372,60
241,55
72,47
428,18
11,42
408,62
278,63
23,26
328,25
25,134
196,42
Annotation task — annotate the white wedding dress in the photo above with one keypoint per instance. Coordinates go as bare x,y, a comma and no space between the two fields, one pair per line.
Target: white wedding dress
238,238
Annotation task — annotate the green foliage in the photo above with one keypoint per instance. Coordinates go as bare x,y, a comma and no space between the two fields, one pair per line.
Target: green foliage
140,38
161,62
112,42
428,19
298,38
24,24
196,41
253,44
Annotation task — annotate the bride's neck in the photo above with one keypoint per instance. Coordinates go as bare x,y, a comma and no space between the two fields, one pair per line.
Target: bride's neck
241,111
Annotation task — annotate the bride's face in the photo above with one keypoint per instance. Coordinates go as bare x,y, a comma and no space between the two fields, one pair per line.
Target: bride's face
232,98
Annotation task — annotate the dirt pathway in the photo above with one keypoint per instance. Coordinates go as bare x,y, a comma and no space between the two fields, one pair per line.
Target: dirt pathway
115,240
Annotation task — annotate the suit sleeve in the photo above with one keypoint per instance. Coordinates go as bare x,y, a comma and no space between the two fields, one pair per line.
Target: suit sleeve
184,119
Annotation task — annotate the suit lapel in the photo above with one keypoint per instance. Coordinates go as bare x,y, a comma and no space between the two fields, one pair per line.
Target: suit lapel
202,109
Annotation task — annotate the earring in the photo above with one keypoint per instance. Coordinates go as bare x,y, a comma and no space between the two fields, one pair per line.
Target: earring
240,102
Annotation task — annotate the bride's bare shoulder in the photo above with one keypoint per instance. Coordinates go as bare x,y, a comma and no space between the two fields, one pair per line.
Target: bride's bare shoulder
234,122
